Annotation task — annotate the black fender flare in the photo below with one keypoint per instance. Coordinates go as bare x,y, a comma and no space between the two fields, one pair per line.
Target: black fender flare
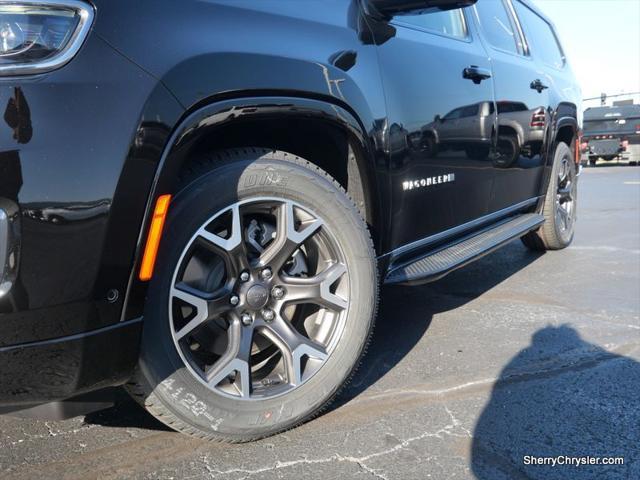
565,116
202,119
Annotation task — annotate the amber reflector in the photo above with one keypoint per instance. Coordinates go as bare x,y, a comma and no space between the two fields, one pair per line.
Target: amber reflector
153,237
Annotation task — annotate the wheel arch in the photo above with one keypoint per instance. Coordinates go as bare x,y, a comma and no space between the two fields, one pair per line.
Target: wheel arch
564,127
513,129
567,130
217,125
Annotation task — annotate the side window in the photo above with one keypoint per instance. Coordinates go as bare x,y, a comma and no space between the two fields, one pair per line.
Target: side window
449,22
470,111
453,114
506,107
497,25
542,41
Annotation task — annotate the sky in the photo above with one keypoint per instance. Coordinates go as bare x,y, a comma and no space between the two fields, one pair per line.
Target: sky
601,39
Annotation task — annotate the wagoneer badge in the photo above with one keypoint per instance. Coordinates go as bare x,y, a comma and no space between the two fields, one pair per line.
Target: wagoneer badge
428,182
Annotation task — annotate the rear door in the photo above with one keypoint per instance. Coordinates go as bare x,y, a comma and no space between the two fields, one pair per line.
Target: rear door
521,90
435,185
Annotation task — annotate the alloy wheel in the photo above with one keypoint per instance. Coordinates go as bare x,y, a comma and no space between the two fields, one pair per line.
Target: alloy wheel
259,298
565,196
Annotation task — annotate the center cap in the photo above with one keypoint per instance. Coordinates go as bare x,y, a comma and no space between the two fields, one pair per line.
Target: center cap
257,296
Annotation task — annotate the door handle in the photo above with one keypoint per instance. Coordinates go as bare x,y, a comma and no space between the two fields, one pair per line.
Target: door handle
476,74
538,85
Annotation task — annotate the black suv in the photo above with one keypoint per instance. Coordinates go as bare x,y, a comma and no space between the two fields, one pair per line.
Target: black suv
199,199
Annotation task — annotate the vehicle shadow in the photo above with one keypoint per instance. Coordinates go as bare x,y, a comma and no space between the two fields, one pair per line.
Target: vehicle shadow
404,317
125,413
407,312
583,403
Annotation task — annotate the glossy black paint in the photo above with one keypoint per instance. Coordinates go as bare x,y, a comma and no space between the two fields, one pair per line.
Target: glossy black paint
60,368
86,149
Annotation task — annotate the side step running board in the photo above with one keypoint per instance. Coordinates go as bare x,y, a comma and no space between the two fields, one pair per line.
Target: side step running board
437,264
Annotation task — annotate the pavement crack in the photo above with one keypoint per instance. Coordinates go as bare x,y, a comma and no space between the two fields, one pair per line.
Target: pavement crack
458,423
50,430
29,437
447,430
371,471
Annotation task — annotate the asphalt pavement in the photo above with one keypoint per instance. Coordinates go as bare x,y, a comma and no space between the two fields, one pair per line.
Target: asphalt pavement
516,356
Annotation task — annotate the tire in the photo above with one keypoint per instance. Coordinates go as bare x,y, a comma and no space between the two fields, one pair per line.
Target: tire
555,233
170,387
431,147
508,151
592,161
608,158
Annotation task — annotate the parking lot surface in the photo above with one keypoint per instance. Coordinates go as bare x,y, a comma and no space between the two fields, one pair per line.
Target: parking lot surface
519,354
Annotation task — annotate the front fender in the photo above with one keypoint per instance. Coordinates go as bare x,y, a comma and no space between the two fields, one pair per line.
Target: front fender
241,48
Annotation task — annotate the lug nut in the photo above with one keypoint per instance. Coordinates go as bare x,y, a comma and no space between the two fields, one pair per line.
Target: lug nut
244,276
266,274
268,315
246,319
277,293
234,300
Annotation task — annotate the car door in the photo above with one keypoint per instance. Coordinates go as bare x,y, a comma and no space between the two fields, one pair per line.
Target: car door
522,106
435,185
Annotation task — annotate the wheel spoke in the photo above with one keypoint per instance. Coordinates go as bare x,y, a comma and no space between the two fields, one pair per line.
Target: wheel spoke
317,289
288,239
564,194
235,360
206,308
564,172
294,347
564,217
232,248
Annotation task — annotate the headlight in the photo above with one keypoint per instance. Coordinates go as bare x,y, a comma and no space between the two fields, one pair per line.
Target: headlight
41,35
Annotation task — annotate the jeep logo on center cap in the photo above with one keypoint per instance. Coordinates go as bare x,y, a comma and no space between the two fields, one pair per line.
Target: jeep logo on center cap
257,296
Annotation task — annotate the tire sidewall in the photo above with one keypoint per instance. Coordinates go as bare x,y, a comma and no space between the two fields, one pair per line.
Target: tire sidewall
563,238
173,384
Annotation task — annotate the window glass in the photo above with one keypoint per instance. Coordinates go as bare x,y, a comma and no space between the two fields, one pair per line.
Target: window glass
470,111
453,114
542,41
506,107
448,22
497,26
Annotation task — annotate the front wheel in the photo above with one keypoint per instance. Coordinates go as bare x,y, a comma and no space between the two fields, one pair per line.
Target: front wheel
262,302
559,206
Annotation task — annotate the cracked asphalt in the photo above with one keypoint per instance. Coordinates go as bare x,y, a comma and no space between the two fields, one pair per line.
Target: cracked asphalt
519,354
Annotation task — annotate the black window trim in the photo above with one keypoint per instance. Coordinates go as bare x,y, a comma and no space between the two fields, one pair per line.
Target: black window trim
397,21
526,42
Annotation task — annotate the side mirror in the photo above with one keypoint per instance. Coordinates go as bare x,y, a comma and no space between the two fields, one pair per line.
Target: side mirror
389,8
437,119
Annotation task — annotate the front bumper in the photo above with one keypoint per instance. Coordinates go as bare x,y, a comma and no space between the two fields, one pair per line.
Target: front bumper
75,173
41,372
